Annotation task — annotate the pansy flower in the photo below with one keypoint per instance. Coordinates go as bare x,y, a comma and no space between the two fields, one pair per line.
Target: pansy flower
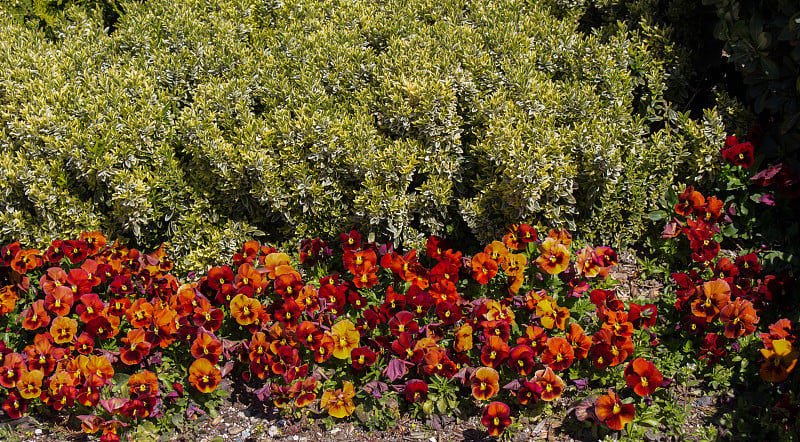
206,346
535,338
552,385
521,360
402,266
496,417
463,338
403,321
713,296
245,310
642,316
59,301
558,354
497,251
362,357
140,313
416,390
494,352
304,391
15,405
351,241
579,341
29,384
643,377
689,201
554,257
436,246
713,348
204,376
345,338
25,260
35,316
97,370
529,392
484,268
740,154
778,361
551,315
136,347
739,318
485,383
63,330
339,403
611,411
11,370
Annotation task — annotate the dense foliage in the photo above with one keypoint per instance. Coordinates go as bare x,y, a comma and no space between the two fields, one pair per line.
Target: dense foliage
204,123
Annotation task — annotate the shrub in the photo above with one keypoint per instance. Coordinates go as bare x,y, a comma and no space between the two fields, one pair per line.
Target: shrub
206,123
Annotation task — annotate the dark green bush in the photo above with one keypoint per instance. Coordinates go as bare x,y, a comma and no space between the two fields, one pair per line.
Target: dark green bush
762,41
202,123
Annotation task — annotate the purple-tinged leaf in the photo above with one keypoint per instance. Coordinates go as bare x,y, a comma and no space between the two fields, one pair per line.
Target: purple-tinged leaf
395,370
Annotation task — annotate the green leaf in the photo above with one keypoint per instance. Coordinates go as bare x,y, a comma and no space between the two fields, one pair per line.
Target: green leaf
657,215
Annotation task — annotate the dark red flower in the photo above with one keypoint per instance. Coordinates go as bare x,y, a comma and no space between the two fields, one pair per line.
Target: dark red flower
416,390
362,357
496,417
739,154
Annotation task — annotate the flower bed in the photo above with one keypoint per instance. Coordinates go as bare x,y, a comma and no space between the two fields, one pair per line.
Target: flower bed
108,332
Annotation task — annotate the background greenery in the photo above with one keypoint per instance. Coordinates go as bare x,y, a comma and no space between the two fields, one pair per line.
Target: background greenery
203,123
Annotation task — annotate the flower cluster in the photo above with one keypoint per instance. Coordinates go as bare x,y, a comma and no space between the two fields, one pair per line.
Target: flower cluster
403,320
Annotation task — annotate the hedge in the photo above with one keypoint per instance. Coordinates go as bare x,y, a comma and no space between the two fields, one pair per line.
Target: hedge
204,123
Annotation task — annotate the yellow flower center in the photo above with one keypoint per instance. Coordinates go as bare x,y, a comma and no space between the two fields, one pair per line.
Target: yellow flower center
496,421
493,354
644,382
361,359
548,388
616,409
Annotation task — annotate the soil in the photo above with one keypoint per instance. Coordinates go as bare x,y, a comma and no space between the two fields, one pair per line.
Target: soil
243,418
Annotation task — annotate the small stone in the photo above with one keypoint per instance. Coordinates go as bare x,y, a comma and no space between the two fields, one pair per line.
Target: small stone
235,430
273,431
336,430
245,434
216,420
241,415
432,439
38,431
